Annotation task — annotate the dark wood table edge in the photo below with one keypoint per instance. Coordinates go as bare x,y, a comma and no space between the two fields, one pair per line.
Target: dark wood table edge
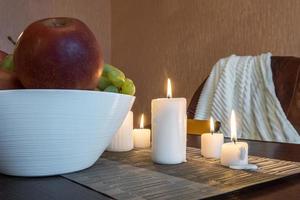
248,189
45,188
87,187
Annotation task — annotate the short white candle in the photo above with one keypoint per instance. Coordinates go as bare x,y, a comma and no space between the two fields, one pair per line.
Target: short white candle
211,143
141,136
169,129
234,153
123,139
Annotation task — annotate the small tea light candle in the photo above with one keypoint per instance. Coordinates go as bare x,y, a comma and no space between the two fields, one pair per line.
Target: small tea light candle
169,129
141,136
234,153
211,143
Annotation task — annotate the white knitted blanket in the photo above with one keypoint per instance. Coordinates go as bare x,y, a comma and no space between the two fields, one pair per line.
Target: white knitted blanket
245,84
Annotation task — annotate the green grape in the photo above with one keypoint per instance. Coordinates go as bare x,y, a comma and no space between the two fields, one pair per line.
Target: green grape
113,80
106,69
103,83
117,77
128,87
7,63
112,88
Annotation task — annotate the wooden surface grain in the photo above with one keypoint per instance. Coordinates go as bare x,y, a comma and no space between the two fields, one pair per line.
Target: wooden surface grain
276,150
282,189
156,39
15,15
133,175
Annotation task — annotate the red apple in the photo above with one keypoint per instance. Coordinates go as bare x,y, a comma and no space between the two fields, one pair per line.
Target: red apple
8,80
2,55
58,53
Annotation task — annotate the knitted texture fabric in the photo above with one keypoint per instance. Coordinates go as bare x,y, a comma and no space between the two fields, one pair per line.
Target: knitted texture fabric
245,84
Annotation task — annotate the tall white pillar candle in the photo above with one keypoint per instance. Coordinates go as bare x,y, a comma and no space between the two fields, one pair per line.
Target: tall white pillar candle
169,129
211,143
234,153
141,135
123,139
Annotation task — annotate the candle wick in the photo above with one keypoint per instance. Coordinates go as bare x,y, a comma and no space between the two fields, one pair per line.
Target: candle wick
234,140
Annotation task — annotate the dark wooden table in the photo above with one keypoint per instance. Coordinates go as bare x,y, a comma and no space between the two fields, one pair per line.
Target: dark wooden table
57,187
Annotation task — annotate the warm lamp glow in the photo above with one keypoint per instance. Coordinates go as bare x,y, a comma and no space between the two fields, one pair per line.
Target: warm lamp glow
212,125
169,89
142,121
233,127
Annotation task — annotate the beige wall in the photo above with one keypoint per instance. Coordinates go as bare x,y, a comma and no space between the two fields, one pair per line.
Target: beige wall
182,39
15,15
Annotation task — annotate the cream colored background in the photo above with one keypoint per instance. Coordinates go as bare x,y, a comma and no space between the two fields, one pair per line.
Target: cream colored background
181,39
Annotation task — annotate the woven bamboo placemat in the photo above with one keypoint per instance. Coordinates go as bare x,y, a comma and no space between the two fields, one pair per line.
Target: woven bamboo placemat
132,175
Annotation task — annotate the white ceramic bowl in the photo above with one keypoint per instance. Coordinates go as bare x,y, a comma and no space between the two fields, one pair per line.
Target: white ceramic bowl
50,132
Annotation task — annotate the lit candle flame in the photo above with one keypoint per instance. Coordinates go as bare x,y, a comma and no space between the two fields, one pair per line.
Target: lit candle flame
142,121
169,89
233,127
212,125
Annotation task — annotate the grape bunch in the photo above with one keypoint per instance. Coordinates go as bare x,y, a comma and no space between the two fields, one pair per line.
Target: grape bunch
114,80
7,63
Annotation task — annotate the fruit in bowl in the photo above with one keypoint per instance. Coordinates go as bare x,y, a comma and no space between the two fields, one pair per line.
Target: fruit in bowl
6,62
114,80
58,123
8,79
2,55
60,53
